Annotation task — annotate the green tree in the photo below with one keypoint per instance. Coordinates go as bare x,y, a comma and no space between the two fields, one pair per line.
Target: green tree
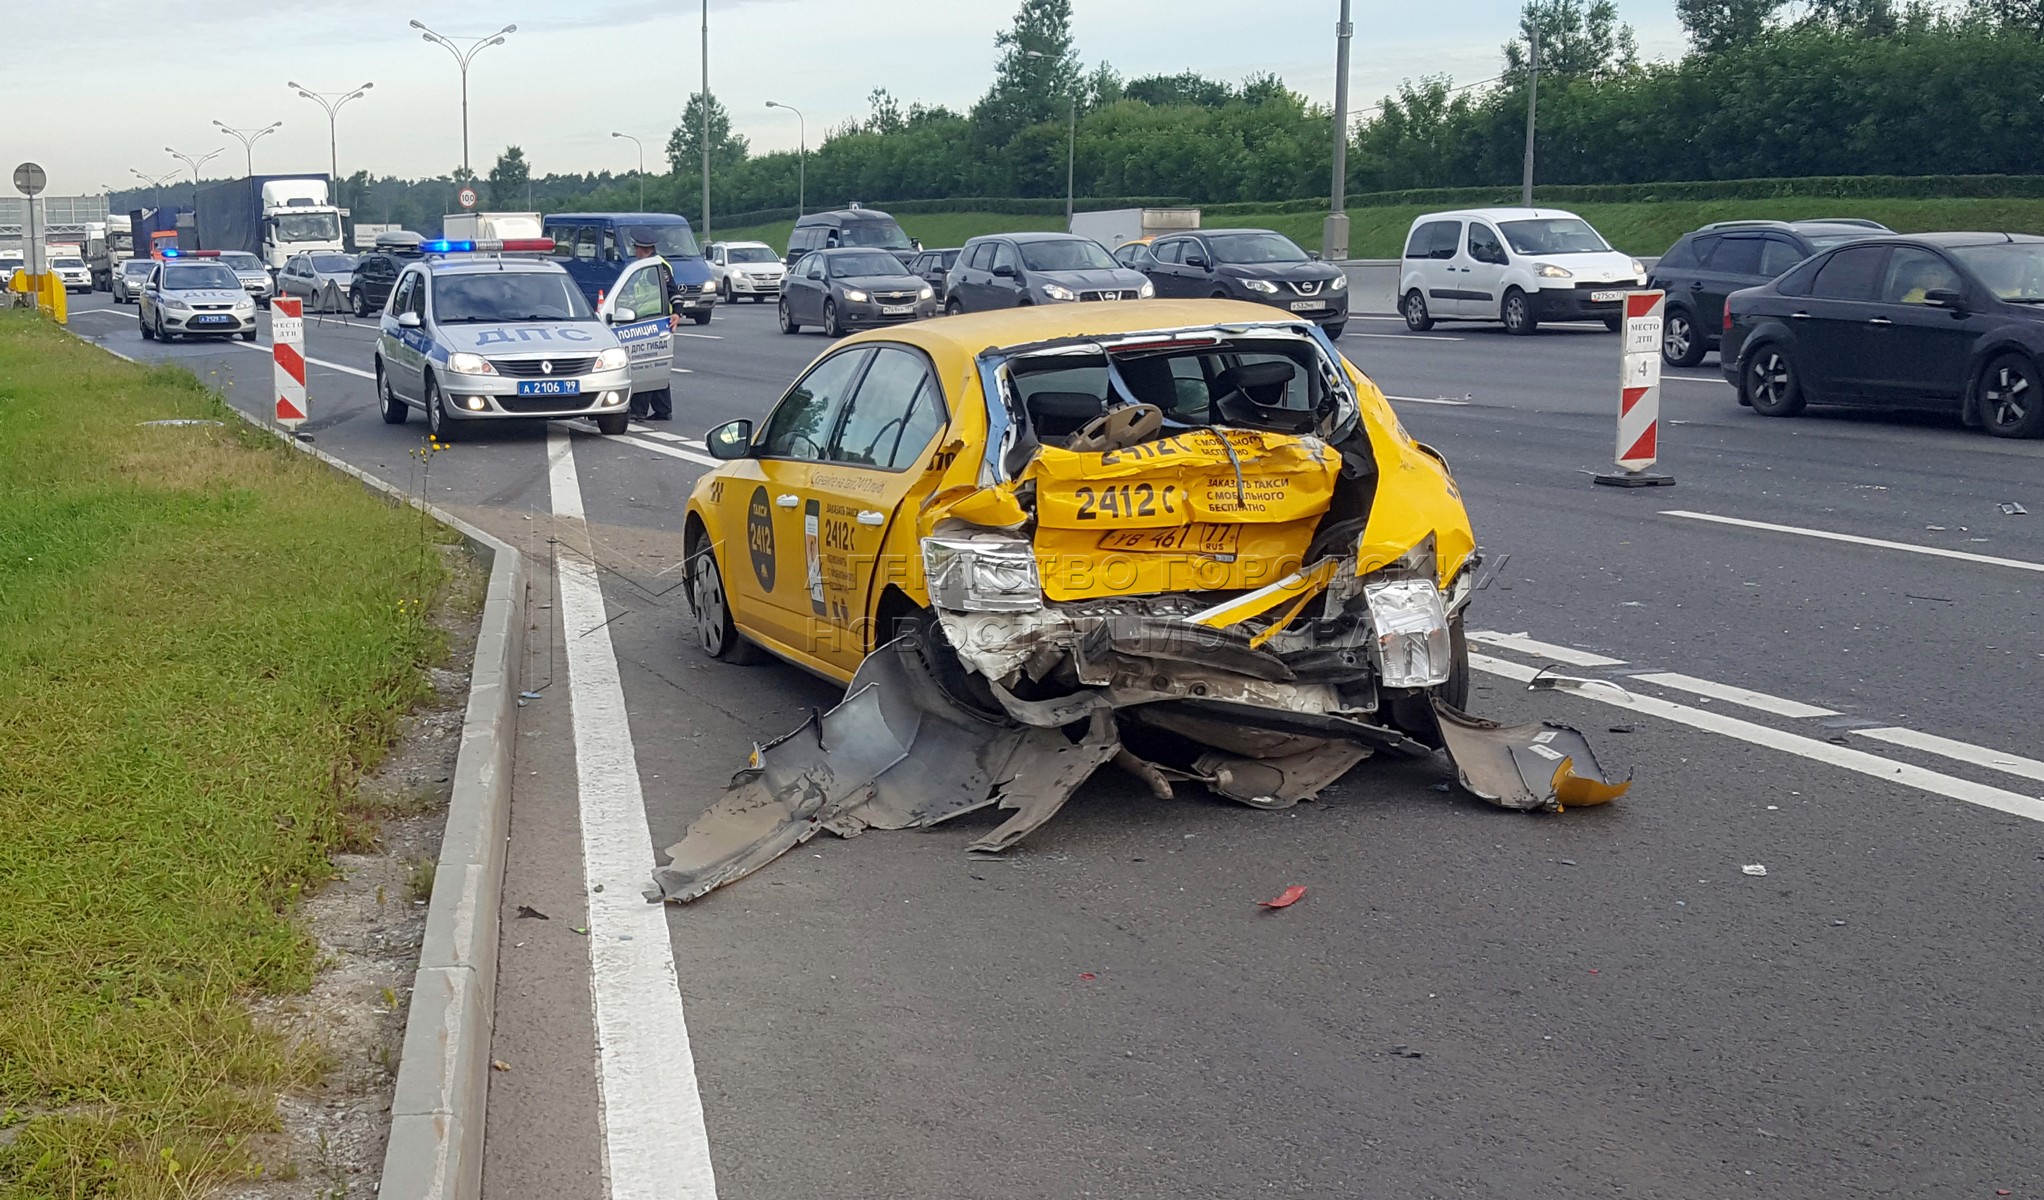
1037,73
1575,40
508,179
1715,26
1186,87
685,144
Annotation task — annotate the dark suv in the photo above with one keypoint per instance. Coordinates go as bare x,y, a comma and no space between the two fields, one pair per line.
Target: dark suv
1258,265
1707,265
376,272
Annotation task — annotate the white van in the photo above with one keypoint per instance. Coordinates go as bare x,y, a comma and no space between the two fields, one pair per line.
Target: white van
1520,266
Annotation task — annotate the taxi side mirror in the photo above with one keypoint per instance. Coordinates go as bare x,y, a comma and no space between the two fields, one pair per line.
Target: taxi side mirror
408,320
732,439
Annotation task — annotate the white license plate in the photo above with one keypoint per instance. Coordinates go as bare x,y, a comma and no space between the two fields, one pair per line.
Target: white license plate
896,310
1606,297
549,387
1308,305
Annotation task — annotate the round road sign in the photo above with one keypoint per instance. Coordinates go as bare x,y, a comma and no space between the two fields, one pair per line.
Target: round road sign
29,179
467,196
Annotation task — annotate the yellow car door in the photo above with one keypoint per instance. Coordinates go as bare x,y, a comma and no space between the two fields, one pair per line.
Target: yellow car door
766,535
880,443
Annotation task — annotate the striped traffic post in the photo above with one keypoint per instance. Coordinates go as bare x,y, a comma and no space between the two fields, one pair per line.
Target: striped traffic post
1639,393
287,350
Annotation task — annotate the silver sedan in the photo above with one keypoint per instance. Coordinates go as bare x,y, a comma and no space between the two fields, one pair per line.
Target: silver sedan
320,279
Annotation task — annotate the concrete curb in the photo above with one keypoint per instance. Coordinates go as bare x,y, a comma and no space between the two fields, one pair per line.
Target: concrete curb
435,1150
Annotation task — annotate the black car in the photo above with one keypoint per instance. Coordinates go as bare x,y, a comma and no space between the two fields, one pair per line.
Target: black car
376,272
931,266
1250,264
846,289
1707,265
1013,270
863,227
1948,322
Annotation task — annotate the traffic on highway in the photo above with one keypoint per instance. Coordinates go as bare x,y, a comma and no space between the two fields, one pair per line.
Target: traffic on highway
1150,708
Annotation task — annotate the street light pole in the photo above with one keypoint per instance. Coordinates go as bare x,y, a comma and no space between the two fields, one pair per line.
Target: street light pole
1334,236
248,138
1532,102
642,165
195,164
155,183
801,157
461,59
332,102
706,119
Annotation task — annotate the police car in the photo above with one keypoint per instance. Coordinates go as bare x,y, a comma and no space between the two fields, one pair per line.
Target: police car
189,293
474,332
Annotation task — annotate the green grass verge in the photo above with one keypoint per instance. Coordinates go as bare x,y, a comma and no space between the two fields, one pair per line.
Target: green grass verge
204,638
1646,227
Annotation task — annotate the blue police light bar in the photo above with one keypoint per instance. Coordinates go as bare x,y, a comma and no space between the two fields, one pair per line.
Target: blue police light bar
171,252
444,246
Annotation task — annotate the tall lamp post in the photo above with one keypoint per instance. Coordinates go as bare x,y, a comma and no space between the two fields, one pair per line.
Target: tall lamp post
801,156
642,165
248,138
463,57
1334,234
155,183
195,164
332,102
706,119
1071,138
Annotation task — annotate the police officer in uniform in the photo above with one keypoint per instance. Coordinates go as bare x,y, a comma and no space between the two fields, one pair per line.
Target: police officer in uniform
662,401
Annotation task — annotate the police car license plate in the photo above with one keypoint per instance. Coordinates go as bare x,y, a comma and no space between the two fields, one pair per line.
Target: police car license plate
896,310
1308,305
212,320
1606,297
549,387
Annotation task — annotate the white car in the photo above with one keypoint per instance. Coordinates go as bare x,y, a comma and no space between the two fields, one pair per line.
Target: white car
72,270
1520,266
193,295
745,269
128,279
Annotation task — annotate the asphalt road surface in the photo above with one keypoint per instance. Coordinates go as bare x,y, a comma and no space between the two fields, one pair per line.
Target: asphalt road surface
1819,653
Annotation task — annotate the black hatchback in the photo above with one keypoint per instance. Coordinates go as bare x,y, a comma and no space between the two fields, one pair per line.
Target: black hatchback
1947,322
1707,265
376,272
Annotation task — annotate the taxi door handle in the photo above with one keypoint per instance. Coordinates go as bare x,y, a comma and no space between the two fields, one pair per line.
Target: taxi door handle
787,499
868,516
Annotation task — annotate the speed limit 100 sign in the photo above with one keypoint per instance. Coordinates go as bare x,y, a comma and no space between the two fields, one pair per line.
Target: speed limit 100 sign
467,196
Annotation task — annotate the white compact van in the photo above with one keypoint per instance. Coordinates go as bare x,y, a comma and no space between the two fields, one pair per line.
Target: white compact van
1520,266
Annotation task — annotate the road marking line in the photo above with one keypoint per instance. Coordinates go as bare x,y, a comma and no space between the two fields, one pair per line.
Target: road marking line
681,370
655,1143
1859,761
1736,695
1525,645
1428,400
1697,379
1966,752
1856,540
1406,337
665,436
260,348
708,337
580,426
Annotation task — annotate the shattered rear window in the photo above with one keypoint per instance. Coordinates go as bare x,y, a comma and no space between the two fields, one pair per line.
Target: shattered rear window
1062,393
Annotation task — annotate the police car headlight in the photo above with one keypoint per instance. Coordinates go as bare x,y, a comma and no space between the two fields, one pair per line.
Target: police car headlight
986,573
613,359
176,305
464,363
928,293
244,305
855,296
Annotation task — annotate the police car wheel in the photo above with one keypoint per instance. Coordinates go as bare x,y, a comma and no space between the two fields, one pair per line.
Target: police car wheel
148,334
613,424
437,423
248,335
394,410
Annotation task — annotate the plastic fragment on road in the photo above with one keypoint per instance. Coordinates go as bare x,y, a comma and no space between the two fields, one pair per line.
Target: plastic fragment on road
528,912
2012,509
1286,898
1534,766
1754,869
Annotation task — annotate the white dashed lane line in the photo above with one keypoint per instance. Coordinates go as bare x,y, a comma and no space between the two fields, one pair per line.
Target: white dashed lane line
1856,540
1736,695
1522,644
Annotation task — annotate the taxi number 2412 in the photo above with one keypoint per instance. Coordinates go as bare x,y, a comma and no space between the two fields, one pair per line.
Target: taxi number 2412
1139,500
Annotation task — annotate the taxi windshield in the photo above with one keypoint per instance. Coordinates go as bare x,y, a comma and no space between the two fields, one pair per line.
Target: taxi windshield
2013,271
853,266
196,278
753,254
508,296
1066,254
883,235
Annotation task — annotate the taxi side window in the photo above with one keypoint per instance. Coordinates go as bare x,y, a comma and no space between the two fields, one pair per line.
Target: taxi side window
800,424
894,414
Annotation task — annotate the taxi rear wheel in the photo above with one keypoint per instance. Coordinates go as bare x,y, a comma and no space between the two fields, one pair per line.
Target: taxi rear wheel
437,422
711,605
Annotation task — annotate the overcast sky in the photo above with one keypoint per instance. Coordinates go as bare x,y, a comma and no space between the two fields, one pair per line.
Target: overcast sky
576,71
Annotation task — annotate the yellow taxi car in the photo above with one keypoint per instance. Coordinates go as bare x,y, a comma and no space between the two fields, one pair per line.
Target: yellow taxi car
1185,537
